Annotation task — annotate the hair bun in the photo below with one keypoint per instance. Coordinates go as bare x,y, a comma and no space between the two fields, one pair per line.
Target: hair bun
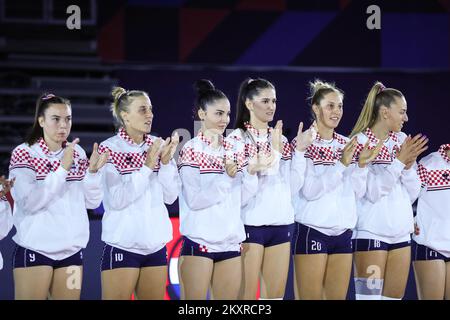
203,85
117,92
318,85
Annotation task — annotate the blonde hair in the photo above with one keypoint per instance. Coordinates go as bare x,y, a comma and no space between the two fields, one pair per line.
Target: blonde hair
122,99
378,96
319,89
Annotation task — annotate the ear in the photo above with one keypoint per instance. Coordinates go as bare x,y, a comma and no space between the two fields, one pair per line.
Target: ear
124,116
383,112
201,114
316,110
41,121
249,104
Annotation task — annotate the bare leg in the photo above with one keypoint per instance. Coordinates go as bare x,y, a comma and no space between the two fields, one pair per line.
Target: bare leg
226,279
66,284
310,273
119,284
252,257
32,283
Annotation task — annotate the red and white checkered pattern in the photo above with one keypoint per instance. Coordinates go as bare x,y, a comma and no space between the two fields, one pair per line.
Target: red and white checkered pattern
258,133
124,135
443,152
264,146
325,155
127,162
21,158
423,174
209,163
438,179
384,156
202,248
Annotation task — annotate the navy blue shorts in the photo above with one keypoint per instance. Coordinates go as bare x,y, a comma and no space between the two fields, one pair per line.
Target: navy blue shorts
372,245
268,236
113,258
424,253
312,241
24,258
191,248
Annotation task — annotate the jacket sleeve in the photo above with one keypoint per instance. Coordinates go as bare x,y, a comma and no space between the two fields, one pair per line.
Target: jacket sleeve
249,186
198,191
5,218
358,177
411,182
170,181
93,191
27,192
381,182
317,184
298,169
123,190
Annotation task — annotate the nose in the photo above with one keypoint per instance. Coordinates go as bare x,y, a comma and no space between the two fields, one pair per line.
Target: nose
405,118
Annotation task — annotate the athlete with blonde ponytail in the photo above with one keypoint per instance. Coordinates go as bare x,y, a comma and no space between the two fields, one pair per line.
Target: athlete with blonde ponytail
325,208
382,236
140,177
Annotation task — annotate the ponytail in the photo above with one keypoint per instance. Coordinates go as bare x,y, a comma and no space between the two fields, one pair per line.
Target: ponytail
206,93
248,89
378,96
122,99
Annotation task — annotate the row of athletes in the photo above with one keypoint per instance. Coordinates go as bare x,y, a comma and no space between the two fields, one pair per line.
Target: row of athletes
247,201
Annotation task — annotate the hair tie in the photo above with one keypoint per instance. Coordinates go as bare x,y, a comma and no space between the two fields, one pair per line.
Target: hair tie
381,88
48,96
120,95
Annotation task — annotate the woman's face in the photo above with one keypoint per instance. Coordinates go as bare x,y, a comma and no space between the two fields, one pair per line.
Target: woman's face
56,122
329,112
139,117
396,115
217,116
263,105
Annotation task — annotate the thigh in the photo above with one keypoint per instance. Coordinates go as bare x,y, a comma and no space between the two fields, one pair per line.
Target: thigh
447,281
152,283
370,264
119,284
310,273
396,272
226,279
337,276
275,269
32,283
195,274
430,279
66,283
252,258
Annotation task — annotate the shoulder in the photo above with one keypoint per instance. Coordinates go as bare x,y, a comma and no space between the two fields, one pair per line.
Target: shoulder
399,136
430,159
111,143
80,151
235,135
361,138
342,139
190,144
22,151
